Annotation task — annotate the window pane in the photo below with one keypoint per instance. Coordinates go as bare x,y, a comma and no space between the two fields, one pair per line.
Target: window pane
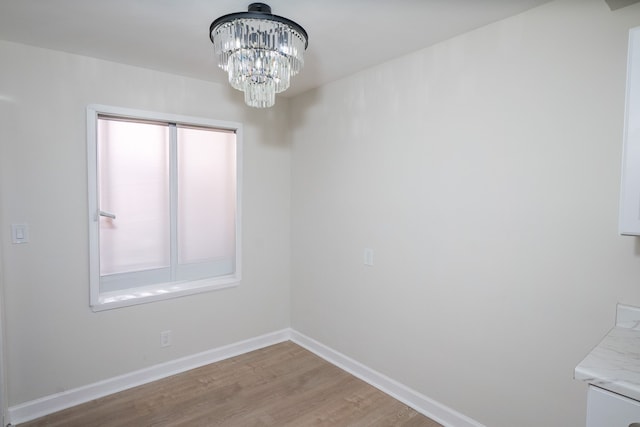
206,197
133,183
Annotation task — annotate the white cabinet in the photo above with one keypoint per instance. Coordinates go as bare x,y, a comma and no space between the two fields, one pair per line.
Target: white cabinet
606,409
629,222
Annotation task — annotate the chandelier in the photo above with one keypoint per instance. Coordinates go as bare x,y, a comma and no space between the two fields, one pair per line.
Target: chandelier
260,51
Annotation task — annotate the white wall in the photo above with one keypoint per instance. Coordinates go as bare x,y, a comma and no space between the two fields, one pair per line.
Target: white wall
484,172
54,341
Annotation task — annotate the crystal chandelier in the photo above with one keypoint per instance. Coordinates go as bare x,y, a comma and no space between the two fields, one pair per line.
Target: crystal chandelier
260,51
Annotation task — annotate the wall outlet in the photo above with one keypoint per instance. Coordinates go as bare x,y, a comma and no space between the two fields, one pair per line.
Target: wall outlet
165,338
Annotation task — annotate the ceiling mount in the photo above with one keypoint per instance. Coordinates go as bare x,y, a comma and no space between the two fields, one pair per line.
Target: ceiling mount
259,7
260,52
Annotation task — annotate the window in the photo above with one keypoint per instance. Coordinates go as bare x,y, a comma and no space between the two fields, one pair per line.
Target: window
163,205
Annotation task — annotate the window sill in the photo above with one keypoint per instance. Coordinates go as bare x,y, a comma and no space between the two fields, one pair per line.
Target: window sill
159,292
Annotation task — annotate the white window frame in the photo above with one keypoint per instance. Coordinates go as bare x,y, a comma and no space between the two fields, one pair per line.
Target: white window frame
139,295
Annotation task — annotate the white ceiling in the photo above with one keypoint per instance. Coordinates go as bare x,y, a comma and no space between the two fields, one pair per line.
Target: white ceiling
345,36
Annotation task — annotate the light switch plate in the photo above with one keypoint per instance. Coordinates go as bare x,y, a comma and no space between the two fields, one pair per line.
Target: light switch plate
19,233
368,257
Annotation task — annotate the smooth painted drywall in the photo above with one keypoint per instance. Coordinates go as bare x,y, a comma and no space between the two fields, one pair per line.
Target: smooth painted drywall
54,341
484,173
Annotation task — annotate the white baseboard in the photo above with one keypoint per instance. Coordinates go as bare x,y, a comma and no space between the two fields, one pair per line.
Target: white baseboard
426,406
56,402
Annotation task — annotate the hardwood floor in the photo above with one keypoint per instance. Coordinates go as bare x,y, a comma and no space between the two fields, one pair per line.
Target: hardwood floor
283,385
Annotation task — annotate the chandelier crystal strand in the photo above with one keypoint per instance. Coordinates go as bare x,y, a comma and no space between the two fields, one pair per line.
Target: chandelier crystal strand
260,52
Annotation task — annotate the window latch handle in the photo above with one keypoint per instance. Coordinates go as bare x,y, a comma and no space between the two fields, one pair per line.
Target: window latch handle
107,214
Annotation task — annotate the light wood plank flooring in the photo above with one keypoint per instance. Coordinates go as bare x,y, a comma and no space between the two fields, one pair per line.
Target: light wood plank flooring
283,386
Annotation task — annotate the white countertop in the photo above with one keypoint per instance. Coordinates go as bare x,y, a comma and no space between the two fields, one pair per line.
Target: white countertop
614,364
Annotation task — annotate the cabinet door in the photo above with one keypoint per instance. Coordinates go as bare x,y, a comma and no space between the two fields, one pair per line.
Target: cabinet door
629,222
606,409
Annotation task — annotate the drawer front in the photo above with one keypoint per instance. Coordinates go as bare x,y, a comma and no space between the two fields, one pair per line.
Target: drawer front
606,409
